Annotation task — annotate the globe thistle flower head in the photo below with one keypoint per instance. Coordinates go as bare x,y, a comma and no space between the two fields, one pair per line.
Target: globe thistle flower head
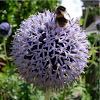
5,29
48,55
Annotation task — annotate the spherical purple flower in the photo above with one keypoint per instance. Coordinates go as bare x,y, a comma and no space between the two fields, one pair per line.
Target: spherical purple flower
48,55
5,29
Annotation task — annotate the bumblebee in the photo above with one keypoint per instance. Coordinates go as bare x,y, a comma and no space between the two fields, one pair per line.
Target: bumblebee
62,16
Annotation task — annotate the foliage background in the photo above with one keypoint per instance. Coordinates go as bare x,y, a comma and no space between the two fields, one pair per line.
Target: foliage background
14,88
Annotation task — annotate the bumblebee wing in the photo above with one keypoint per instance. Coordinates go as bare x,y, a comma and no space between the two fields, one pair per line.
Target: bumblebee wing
67,16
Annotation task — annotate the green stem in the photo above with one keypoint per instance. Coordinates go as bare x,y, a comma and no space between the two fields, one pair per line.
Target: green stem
86,16
64,92
5,51
47,94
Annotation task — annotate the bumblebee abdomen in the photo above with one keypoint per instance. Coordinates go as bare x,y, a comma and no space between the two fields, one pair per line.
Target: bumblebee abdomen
61,21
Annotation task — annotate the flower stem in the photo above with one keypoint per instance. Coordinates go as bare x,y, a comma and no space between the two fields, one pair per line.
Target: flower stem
47,94
86,16
64,92
4,43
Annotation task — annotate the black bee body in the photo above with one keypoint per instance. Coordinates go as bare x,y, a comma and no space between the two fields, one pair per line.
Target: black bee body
60,16
61,21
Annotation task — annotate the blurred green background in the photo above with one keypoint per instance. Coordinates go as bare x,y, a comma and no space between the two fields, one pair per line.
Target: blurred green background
14,88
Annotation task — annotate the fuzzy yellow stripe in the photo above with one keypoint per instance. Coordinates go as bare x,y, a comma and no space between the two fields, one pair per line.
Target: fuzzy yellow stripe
60,15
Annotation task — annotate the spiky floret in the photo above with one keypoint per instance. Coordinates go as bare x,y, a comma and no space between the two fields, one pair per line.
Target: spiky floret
49,56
